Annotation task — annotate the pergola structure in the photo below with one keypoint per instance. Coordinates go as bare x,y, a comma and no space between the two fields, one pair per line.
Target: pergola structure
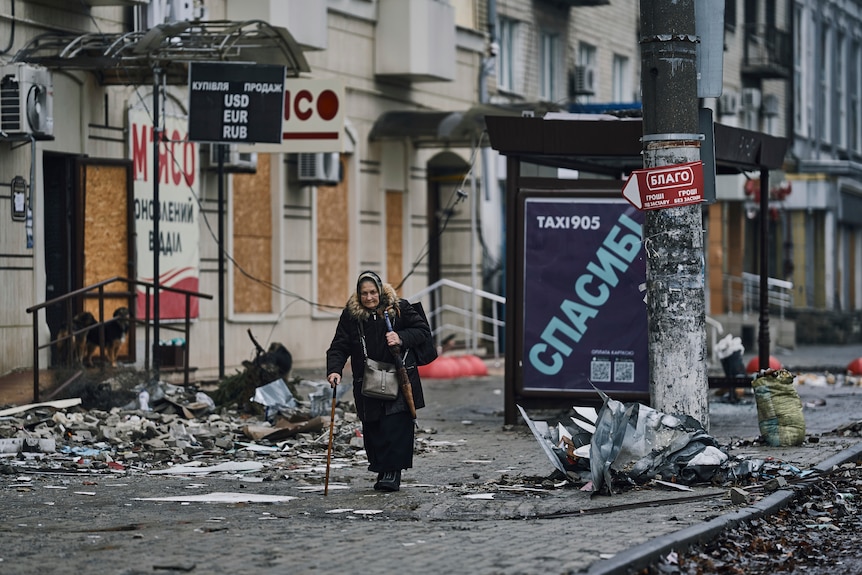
129,58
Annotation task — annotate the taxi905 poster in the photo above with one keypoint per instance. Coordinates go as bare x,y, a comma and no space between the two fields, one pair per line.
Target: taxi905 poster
585,320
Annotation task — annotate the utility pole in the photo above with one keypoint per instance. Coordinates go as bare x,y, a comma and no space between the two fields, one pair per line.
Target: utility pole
673,237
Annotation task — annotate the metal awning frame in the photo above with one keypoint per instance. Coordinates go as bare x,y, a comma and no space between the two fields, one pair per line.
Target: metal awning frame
613,147
129,58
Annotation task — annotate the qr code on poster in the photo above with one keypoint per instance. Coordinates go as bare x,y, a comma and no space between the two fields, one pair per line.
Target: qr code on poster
600,369
624,371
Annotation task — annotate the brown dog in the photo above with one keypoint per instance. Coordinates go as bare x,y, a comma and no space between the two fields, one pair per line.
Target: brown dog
82,323
115,334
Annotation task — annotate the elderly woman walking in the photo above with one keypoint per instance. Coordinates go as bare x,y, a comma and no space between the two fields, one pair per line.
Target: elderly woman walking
387,425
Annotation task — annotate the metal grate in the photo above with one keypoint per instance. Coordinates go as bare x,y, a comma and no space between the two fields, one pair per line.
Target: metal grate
10,104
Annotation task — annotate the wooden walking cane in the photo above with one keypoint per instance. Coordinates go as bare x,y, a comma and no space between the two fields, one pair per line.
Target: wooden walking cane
404,379
329,449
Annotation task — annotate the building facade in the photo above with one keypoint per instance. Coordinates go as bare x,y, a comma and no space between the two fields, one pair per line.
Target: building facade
403,194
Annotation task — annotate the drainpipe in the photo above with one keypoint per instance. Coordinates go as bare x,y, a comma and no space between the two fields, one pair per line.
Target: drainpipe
491,221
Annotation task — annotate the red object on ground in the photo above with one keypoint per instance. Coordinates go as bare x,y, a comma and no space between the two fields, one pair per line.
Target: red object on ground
452,366
477,366
855,366
441,368
754,365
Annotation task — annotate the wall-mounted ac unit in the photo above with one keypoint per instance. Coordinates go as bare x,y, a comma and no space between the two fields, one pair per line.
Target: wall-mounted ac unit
728,103
583,81
322,169
770,105
751,99
234,161
26,100
161,11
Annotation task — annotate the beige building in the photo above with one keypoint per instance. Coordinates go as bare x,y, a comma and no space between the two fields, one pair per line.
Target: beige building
402,193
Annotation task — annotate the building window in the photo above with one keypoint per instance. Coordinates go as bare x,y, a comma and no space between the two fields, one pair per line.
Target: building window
841,88
333,242
587,60
549,66
801,55
730,15
622,80
253,237
825,116
508,64
855,75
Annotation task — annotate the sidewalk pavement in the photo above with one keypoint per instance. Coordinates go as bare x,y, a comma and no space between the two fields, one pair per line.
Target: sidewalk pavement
826,408
627,531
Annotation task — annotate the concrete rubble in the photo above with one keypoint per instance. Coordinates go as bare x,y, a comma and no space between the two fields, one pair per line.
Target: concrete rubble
168,428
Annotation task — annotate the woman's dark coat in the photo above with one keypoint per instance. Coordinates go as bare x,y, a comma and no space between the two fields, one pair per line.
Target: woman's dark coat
346,344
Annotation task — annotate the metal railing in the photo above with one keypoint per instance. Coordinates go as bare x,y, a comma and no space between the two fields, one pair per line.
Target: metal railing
69,300
456,309
742,294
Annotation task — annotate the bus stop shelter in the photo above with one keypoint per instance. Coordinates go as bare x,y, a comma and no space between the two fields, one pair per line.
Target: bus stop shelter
604,151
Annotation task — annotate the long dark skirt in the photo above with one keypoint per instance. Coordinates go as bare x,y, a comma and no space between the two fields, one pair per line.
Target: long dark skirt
389,442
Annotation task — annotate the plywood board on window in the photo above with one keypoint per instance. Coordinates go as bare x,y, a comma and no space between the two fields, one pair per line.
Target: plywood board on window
333,235
252,213
106,237
395,237
251,210
252,296
106,226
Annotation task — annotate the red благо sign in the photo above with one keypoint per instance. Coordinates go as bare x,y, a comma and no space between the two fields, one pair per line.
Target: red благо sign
665,187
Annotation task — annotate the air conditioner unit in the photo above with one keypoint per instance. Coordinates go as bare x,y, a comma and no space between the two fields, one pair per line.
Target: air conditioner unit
161,11
584,81
322,169
770,105
750,99
26,100
234,161
728,103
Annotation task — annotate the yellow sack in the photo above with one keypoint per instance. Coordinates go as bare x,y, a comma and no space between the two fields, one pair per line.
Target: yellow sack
779,409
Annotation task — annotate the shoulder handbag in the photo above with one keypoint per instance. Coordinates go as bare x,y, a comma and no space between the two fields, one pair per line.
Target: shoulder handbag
379,379
426,352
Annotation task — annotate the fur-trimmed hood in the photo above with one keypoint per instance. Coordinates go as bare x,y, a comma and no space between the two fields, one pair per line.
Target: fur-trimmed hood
388,302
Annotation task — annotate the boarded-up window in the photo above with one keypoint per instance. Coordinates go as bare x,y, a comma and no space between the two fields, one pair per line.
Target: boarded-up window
332,243
394,237
106,236
252,239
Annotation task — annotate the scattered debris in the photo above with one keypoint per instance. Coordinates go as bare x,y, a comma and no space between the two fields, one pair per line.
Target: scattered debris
633,444
219,497
159,428
817,533
729,350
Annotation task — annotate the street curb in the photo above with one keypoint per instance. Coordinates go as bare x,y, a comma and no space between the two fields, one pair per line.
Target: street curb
641,556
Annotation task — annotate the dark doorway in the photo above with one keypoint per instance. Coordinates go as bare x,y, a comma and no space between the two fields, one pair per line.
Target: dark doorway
448,219
62,247
89,237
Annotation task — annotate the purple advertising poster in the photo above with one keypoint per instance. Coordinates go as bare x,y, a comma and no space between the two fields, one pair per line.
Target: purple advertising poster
585,320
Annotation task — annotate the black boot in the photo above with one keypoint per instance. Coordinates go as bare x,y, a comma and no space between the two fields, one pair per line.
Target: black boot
377,484
391,481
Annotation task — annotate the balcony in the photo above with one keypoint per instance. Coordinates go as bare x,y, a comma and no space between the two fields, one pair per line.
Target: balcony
766,52
415,40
